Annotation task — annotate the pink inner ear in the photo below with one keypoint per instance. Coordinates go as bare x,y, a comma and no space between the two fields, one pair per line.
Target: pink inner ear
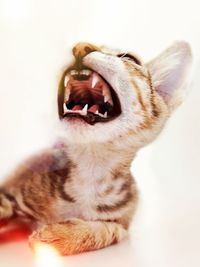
173,81
170,69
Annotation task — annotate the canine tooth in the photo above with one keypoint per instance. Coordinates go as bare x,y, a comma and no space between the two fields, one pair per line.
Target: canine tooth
106,98
65,108
66,80
94,80
105,114
106,91
84,110
110,101
97,112
67,94
101,115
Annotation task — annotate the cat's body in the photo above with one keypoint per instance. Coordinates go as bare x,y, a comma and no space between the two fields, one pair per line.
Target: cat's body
69,182
81,192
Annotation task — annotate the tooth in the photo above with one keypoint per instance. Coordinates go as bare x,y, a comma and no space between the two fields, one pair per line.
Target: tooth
97,112
84,110
87,72
106,91
66,80
106,98
67,94
65,108
94,80
74,72
105,114
82,72
110,101
101,115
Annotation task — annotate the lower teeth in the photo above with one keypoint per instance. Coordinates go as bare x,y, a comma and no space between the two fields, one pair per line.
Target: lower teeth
84,112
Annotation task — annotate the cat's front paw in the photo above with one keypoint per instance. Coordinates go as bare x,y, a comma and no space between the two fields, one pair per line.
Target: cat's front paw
67,238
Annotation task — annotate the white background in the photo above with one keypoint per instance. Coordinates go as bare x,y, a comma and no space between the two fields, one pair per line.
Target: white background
35,41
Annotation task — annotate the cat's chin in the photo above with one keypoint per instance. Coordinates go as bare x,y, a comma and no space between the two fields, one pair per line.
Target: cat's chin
80,132
90,118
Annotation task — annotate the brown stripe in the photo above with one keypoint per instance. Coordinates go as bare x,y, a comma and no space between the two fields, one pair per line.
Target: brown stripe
120,204
135,72
7,195
26,200
36,197
125,186
139,73
148,116
58,179
16,208
57,182
116,175
65,195
155,111
139,95
12,200
107,191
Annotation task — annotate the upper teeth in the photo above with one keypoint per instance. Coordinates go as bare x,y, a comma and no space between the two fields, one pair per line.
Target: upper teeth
82,72
74,72
85,72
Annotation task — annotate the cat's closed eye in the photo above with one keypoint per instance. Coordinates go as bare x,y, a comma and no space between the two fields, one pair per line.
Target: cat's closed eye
131,57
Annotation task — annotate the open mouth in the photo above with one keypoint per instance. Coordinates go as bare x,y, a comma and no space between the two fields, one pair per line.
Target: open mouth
88,97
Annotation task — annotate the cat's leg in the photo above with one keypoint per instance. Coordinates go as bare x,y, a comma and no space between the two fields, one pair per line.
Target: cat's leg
76,236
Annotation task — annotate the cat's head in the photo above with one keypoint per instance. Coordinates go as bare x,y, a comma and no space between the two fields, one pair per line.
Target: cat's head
107,95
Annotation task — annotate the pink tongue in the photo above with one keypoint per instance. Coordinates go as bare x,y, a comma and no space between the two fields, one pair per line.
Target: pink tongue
77,107
93,108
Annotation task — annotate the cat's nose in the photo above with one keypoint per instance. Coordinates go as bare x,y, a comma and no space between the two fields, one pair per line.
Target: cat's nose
80,50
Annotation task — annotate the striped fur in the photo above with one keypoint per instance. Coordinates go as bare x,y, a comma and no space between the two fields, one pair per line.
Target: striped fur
81,193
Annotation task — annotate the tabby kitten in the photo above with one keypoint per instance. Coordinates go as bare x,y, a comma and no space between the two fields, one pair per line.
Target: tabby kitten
81,193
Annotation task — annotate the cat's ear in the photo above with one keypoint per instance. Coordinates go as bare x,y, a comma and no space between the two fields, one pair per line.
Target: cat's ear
170,71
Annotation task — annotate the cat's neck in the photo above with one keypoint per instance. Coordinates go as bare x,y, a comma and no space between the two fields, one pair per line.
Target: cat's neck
103,154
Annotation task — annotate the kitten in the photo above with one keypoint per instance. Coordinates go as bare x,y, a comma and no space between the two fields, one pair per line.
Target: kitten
81,193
